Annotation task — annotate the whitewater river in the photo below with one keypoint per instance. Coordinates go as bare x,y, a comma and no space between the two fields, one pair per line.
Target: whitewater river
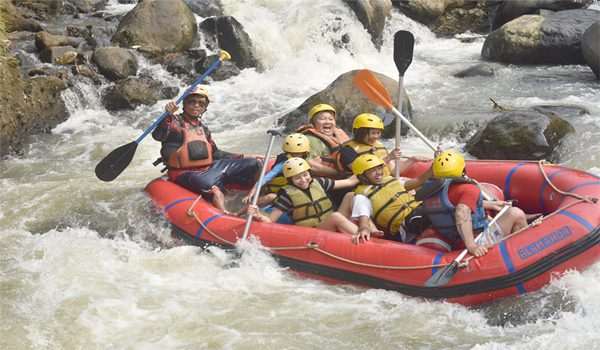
90,265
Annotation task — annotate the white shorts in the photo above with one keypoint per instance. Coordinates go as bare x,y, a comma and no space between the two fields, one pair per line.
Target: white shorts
490,236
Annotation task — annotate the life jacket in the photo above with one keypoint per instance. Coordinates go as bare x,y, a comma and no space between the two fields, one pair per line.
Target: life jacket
378,149
279,181
311,206
195,150
440,210
333,142
391,203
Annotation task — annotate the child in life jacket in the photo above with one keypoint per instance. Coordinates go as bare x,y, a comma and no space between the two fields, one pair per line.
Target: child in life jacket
306,199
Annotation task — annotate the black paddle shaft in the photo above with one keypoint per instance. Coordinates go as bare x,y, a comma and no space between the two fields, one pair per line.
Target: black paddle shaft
404,43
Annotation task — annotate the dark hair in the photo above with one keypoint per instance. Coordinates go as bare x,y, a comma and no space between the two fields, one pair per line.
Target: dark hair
360,134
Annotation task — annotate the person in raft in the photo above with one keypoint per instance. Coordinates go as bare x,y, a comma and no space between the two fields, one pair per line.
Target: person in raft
192,157
305,199
324,137
386,201
457,211
367,129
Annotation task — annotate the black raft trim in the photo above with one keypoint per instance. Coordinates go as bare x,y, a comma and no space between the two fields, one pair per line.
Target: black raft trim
532,271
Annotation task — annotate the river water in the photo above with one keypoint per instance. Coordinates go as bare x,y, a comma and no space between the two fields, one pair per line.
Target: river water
90,265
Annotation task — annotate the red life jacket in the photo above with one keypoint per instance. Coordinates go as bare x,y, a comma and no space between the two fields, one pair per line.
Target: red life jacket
195,151
333,142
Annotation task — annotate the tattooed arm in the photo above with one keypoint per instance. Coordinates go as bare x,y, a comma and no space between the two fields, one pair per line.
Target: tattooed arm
462,215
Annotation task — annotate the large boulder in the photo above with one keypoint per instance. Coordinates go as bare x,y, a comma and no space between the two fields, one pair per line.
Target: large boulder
158,26
519,135
509,10
54,53
132,92
348,101
372,14
590,47
206,8
424,11
115,63
534,39
231,37
28,106
472,16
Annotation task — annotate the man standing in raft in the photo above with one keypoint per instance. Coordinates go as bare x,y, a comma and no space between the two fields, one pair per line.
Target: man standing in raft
192,157
457,210
386,200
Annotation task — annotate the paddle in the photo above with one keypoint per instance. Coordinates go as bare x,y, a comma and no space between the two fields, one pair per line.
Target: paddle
273,133
374,90
404,43
116,161
443,276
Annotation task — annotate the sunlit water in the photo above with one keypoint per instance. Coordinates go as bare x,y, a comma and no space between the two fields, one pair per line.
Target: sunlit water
86,264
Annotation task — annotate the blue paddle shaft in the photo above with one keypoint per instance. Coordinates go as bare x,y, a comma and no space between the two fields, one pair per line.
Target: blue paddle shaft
158,120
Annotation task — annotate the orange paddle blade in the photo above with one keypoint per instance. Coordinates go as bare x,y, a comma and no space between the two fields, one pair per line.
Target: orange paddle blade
371,87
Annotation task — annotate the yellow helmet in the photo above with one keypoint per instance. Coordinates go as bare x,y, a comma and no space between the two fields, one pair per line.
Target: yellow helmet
365,162
321,107
449,163
294,166
296,143
199,90
367,120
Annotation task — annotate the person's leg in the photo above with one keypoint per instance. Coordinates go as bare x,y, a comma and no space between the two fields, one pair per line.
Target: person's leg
242,172
346,205
338,222
218,199
513,220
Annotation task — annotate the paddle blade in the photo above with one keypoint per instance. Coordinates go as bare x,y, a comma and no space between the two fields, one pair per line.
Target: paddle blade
372,88
404,43
443,276
115,162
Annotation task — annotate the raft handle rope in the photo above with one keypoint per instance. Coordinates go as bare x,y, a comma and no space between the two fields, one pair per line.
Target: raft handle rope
315,246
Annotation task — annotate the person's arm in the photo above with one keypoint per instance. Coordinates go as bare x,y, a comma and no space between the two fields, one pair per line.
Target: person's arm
272,217
345,183
364,231
274,172
162,130
462,215
418,181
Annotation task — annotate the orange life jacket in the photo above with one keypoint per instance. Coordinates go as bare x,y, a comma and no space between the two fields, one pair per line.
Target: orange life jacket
333,142
195,150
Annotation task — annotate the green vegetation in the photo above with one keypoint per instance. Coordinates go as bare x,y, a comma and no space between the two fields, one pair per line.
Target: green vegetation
3,42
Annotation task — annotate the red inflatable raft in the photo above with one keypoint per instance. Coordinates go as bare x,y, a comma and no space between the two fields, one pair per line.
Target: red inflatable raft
567,237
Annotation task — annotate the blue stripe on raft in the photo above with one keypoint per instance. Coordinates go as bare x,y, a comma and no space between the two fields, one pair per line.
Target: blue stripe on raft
543,188
205,223
583,184
508,179
509,265
577,218
174,203
436,261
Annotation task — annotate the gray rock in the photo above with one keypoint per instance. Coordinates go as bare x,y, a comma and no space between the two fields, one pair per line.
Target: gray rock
563,111
52,54
509,10
158,26
482,69
87,6
372,14
519,135
45,40
231,37
132,92
225,71
115,63
534,39
205,8
590,48
348,101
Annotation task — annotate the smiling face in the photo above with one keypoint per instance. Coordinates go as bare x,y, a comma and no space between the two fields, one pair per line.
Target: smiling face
324,122
194,106
374,175
372,136
302,180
